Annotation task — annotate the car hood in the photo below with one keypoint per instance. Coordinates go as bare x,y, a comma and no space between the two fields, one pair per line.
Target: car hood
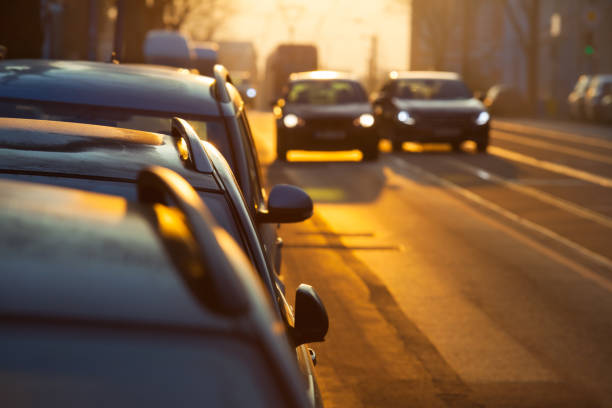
346,110
451,105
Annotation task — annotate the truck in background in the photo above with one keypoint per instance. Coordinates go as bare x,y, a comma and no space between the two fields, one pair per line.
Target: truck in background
284,60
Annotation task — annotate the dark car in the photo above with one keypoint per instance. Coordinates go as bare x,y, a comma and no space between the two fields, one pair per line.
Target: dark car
430,107
108,160
110,303
325,110
598,99
144,98
575,99
505,100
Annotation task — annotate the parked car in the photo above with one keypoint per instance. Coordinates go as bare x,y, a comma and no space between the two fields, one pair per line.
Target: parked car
430,107
325,110
110,303
108,160
167,47
575,99
598,100
145,98
505,100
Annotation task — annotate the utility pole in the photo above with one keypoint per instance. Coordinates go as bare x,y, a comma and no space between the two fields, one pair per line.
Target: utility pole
119,23
373,63
92,46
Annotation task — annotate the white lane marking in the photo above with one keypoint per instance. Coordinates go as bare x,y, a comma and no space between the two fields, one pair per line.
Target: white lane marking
551,146
550,166
580,269
553,134
540,195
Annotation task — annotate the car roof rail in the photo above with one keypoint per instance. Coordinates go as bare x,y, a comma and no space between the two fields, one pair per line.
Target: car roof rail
222,78
182,130
219,288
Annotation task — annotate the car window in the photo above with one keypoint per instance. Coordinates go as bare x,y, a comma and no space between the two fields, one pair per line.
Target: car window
426,88
55,366
252,161
328,92
216,202
209,129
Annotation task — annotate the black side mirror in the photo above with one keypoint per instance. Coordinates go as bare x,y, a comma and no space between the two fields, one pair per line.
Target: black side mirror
286,204
311,321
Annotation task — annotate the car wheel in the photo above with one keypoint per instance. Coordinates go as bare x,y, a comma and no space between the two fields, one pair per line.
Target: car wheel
396,145
281,149
481,147
370,153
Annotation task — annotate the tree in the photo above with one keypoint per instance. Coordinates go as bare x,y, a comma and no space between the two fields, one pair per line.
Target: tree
528,35
202,18
434,23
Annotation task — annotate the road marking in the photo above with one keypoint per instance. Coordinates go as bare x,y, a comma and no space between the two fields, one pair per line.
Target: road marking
581,270
553,134
540,195
550,166
551,147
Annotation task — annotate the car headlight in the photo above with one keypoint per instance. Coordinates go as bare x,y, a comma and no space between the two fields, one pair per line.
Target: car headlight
366,120
251,93
291,120
483,118
405,118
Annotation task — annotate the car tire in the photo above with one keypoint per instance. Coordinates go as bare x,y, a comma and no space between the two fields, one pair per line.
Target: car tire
397,145
281,149
481,146
370,153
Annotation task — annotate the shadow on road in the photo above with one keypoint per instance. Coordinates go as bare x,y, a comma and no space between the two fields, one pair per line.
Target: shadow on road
333,181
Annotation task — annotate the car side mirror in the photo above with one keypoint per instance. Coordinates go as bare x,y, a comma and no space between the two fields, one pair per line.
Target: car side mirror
286,204
311,321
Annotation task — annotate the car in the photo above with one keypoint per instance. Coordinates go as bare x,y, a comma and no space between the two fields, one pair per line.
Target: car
505,100
145,98
325,110
113,303
108,160
430,107
598,100
575,99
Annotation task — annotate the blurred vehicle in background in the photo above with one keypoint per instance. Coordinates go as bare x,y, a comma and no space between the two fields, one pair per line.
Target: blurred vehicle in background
282,62
505,100
205,57
171,48
325,110
109,160
110,303
248,91
430,107
575,99
598,100
239,56
144,98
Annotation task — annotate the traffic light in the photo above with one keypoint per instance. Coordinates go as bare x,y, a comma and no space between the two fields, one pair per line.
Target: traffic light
588,48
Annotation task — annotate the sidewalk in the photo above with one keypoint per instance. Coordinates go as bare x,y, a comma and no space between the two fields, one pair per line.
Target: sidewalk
553,127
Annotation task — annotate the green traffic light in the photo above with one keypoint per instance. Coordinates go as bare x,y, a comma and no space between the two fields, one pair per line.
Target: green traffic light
589,50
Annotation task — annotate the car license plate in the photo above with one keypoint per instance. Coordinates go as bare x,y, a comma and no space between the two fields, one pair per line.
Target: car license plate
330,134
445,132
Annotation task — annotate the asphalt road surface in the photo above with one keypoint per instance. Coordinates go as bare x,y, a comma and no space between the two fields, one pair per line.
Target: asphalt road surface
459,279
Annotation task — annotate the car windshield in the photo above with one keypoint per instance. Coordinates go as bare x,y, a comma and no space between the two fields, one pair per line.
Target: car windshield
209,129
331,92
426,88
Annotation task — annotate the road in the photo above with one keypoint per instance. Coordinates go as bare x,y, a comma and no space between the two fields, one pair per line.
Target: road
459,279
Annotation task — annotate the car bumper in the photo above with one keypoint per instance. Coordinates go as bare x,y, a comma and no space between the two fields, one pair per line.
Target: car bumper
440,133
327,138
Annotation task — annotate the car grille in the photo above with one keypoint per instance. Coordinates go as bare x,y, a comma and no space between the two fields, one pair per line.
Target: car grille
444,118
329,123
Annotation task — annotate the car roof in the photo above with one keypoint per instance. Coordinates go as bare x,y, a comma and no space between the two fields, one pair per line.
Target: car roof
74,254
424,75
110,85
76,149
320,75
